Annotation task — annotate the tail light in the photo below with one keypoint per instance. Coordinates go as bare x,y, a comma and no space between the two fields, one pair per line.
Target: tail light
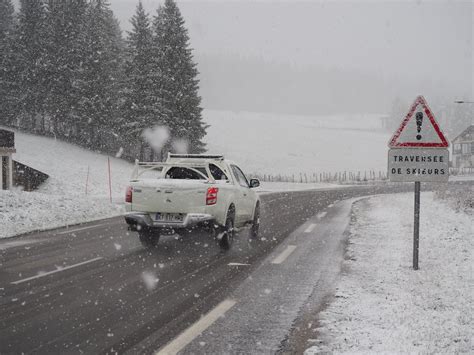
128,194
211,196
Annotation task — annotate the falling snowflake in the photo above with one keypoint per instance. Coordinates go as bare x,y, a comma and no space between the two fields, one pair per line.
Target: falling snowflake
119,153
150,280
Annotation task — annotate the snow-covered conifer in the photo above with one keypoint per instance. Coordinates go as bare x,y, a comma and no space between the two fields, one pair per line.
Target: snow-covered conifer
179,84
7,63
29,48
64,49
100,75
142,105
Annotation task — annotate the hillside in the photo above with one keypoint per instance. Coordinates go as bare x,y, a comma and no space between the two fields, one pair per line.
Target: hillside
62,199
78,191
68,166
285,144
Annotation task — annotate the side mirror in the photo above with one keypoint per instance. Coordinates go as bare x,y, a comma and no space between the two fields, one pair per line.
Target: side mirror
254,183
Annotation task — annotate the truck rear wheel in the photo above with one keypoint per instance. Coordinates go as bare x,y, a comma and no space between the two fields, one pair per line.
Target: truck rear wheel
149,238
256,222
228,233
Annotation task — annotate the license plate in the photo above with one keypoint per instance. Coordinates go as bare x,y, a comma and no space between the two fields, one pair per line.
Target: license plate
169,217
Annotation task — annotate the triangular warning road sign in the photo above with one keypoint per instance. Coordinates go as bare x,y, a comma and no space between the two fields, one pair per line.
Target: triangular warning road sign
419,129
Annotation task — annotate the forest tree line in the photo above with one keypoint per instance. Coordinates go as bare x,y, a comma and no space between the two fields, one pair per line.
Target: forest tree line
66,71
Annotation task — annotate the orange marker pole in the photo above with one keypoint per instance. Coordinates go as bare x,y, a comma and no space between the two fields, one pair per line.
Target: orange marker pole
87,178
110,180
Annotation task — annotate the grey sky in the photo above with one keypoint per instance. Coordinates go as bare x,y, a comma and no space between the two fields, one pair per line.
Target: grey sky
365,52
393,39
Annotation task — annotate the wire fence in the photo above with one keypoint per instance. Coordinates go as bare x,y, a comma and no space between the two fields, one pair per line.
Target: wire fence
341,177
327,177
461,171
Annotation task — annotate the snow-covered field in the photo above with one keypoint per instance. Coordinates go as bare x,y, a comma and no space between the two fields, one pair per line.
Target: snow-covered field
285,144
381,304
260,143
62,199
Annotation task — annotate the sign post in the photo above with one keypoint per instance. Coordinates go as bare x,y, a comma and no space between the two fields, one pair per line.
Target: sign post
416,229
418,153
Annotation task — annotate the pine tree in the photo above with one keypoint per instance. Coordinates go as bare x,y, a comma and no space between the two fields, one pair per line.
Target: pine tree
64,49
100,76
7,62
29,51
142,107
6,20
179,85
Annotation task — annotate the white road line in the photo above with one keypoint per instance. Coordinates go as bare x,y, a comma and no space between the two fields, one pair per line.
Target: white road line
81,229
55,271
18,243
321,215
282,257
196,329
237,264
310,228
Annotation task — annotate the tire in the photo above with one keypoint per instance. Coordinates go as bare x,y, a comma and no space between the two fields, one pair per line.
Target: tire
228,233
149,238
256,222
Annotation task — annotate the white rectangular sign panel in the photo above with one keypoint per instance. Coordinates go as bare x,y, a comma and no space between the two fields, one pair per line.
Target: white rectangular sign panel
417,164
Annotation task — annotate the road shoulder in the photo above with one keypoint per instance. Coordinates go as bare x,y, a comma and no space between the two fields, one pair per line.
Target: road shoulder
381,304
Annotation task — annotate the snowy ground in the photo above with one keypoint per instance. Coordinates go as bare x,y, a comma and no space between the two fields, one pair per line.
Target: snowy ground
62,199
68,166
382,305
284,144
22,212
260,143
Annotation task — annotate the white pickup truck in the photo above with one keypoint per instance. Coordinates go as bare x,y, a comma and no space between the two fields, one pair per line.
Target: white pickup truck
190,190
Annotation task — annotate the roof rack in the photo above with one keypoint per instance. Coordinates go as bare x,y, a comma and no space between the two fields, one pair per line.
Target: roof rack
156,164
196,156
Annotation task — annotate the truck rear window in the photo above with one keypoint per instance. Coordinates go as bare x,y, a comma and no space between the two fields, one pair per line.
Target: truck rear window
184,174
217,173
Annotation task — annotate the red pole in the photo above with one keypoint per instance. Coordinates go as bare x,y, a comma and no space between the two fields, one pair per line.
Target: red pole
87,178
110,180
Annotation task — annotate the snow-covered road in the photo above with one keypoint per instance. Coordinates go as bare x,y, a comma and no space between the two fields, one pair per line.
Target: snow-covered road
93,288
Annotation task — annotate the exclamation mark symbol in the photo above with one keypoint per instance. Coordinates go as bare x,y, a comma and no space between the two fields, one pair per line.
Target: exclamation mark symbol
419,122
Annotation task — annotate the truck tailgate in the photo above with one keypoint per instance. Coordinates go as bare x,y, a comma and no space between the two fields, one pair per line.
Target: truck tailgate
169,196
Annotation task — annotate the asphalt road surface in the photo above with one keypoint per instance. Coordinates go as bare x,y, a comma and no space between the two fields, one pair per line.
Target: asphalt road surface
92,288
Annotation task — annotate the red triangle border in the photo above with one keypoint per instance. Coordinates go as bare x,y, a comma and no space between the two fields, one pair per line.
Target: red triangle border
393,141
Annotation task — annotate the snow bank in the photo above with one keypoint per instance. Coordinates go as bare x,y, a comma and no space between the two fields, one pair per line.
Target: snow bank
22,212
381,304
